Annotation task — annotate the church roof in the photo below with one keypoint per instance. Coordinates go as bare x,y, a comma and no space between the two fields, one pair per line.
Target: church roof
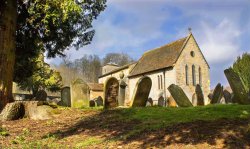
159,58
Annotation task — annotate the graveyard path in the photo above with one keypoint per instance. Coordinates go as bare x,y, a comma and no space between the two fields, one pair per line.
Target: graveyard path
74,128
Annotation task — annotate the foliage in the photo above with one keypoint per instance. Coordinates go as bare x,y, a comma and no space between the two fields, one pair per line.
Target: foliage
118,58
242,67
43,78
3,132
52,26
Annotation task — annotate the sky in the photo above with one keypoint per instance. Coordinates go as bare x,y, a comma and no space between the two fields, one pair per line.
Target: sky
220,27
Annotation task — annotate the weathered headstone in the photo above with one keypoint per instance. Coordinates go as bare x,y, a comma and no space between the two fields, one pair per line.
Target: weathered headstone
150,102
79,92
227,96
217,94
194,99
199,95
122,87
179,96
161,102
65,97
41,96
13,111
91,103
171,102
99,101
236,84
111,88
141,92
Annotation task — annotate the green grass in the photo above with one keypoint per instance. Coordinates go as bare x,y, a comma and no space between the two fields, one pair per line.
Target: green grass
88,142
153,118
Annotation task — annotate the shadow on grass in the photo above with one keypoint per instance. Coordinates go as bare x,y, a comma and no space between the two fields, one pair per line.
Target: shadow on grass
117,124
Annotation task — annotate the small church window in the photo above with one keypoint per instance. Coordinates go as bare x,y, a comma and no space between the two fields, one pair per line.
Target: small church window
200,77
192,53
158,82
186,72
193,75
161,83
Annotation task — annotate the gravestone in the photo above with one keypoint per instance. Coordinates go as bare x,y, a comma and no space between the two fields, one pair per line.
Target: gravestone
179,96
122,87
99,101
150,102
236,84
91,103
111,88
171,102
222,100
199,95
194,99
161,102
141,92
227,96
217,94
65,97
79,92
41,96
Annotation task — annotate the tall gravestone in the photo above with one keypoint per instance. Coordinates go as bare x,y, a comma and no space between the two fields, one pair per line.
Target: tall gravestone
179,96
228,97
236,84
79,94
122,88
99,101
161,102
141,92
199,95
217,94
65,97
41,95
111,88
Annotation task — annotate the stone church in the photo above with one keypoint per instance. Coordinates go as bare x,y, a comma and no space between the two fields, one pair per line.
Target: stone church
180,62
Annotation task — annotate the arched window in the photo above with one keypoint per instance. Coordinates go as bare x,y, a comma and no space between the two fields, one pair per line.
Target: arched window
193,75
200,77
186,73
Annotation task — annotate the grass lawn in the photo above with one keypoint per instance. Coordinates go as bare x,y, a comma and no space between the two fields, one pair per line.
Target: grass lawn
132,127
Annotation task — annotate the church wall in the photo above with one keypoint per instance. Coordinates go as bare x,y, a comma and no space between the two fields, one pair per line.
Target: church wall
199,62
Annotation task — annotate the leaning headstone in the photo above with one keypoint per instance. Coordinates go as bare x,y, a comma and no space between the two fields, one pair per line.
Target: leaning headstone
227,96
179,96
236,84
217,94
141,92
41,96
199,95
99,101
91,103
79,92
150,102
65,97
111,88
122,87
161,102
194,99
171,102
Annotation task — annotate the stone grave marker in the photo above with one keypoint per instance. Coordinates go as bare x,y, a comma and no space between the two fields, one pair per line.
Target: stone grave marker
217,94
111,88
161,102
227,96
236,84
79,94
179,96
99,101
141,92
65,97
122,88
41,96
91,103
199,95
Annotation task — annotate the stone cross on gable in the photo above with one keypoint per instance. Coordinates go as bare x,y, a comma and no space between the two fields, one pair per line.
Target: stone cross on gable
190,30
